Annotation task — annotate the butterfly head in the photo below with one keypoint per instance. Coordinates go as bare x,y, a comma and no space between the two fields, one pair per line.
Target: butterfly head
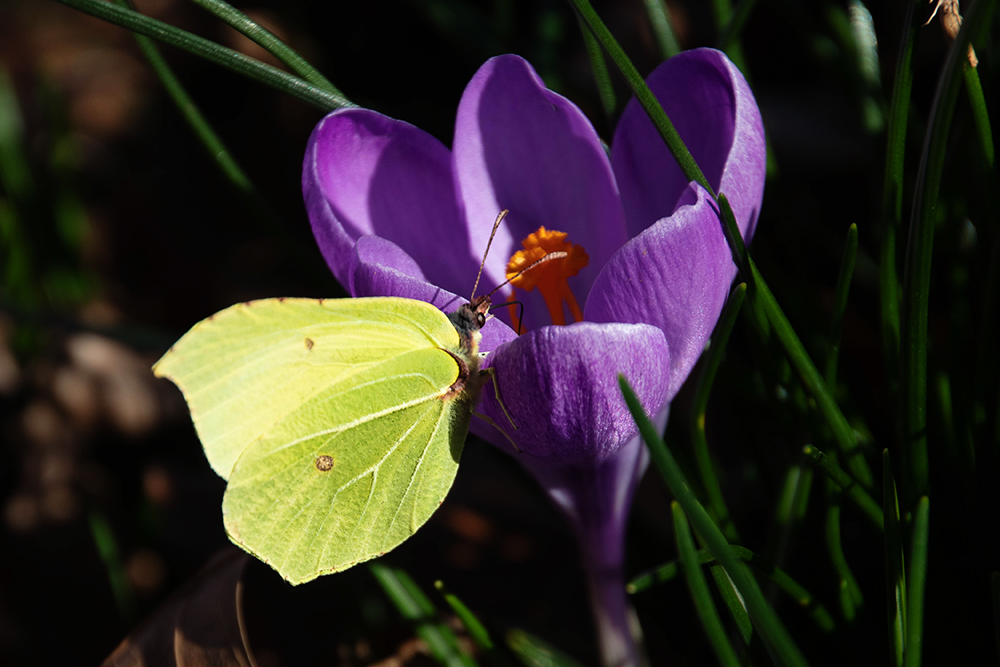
469,319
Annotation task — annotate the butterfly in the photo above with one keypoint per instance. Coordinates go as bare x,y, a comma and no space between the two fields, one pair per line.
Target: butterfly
338,424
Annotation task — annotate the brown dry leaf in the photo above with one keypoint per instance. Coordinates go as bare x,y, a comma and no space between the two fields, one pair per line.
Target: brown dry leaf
201,625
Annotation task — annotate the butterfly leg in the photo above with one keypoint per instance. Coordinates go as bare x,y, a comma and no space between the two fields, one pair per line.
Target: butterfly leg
496,390
489,420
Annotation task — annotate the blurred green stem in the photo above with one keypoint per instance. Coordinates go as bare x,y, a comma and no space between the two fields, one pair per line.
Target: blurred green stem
256,206
601,76
220,55
416,607
917,580
920,245
269,41
765,620
840,303
643,94
895,566
700,595
892,195
716,353
659,21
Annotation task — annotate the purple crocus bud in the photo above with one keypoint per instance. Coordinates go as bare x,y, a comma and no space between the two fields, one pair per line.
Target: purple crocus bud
396,213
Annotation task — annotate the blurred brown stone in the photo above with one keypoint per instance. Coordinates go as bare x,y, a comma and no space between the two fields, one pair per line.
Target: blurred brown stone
21,513
43,425
78,395
146,571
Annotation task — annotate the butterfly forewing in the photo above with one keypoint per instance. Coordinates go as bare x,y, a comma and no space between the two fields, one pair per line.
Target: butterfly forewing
250,366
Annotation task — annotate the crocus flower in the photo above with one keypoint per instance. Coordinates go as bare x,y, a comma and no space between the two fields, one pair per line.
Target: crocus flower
395,212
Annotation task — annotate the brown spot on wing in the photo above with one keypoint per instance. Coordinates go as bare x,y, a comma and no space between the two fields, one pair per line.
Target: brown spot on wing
309,343
324,463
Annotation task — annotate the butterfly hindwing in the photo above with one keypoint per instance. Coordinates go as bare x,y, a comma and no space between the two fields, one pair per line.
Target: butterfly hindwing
332,421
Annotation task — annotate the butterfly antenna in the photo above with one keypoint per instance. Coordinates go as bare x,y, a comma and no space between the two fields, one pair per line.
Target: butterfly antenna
496,225
559,254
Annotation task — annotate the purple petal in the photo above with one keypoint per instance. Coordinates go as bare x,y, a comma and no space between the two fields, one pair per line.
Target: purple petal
560,385
367,174
713,109
381,268
522,147
675,276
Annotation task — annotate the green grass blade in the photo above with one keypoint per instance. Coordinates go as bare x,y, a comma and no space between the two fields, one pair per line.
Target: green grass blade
716,352
920,245
767,623
892,190
217,150
700,595
535,652
643,94
737,611
980,115
220,55
841,291
917,581
268,40
802,597
107,548
732,232
198,123
845,437
480,635
734,26
895,577
659,21
846,484
416,607
602,77
766,307
850,593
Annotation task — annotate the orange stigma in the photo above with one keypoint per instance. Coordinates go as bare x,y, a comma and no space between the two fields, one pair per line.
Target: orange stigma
550,277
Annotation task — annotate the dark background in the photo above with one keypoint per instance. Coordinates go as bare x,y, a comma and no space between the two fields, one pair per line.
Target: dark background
127,234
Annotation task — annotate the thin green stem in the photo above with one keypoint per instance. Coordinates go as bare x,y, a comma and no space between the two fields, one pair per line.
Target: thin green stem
761,298
659,21
700,594
803,598
980,114
892,193
601,76
844,482
416,607
895,567
917,581
840,303
269,41
220,55
734,26
767,623
850,593
920,245
643,94
716,352
218,151
477,631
